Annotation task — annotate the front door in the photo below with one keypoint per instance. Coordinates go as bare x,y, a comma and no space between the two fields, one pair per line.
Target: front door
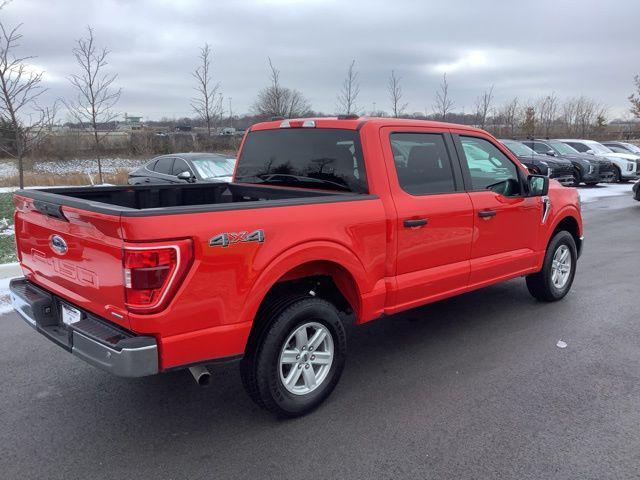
506,221
434,215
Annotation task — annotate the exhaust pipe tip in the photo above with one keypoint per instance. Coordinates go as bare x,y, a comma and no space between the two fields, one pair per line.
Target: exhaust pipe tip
201,375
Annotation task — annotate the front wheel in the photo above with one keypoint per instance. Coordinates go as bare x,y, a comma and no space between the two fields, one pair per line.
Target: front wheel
554,281
576,179
299,359
617,175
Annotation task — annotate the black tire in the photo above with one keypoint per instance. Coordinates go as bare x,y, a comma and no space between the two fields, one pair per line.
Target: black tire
540,284
592,184
617,175
576,178
260,368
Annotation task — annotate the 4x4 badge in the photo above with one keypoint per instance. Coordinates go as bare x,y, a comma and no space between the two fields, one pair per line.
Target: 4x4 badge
231,238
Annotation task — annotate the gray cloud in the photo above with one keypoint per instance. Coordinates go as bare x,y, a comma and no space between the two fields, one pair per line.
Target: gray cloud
524,48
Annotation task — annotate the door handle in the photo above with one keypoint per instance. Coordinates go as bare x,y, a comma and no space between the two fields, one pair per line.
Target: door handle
487,213
419,222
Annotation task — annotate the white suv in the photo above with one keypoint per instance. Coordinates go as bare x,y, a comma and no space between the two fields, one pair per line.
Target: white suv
626,165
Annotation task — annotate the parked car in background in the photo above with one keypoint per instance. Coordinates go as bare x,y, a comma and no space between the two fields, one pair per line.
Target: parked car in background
558,168
589,169
185,168
622,147
626,165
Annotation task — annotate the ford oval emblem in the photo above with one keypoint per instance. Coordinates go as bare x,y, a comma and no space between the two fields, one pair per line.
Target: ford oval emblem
58,244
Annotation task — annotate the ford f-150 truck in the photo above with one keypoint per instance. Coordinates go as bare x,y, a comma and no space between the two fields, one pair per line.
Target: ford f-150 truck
328,220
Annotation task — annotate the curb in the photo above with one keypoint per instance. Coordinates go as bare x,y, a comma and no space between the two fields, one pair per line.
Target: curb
10,270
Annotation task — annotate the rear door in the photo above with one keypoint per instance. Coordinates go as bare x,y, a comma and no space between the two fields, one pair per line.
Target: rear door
78,256
434,214
506,222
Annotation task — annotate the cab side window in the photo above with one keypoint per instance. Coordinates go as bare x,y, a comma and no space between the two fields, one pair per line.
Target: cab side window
423,163
489,168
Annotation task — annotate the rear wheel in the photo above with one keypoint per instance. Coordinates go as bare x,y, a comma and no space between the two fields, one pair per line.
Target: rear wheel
298,360
554,281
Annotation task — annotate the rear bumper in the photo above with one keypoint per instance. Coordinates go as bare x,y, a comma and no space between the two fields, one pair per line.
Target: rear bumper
92,339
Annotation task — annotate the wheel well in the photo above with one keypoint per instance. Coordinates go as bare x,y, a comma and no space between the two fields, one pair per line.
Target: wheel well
570,224
322,279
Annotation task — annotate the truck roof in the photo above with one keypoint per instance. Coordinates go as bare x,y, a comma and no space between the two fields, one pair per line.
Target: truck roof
357,123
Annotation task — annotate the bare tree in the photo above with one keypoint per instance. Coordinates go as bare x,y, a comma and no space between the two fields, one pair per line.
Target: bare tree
348,95
24,120
529,121
395,95
547,109
444,104
600,124
634,98
483,107
96,93
278,101
509,116
568,116
207,103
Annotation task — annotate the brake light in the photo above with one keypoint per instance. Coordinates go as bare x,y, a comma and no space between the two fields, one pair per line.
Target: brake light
153,273
298,124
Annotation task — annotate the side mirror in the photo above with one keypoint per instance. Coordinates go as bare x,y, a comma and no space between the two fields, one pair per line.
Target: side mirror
186,175
551,153
590,152
538,185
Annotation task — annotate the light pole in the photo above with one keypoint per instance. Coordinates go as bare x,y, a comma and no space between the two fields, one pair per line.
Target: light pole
230,110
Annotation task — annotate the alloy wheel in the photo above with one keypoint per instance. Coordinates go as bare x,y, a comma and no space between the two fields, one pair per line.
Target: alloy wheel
306,358
561,267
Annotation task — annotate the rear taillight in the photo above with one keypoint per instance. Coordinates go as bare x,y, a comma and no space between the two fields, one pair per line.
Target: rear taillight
153,273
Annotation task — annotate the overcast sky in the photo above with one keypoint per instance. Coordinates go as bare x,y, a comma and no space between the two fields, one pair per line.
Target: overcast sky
526,49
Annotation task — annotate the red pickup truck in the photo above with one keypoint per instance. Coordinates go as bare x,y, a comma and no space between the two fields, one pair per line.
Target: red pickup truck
328,220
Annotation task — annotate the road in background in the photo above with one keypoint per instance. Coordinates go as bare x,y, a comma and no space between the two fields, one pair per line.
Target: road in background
471,387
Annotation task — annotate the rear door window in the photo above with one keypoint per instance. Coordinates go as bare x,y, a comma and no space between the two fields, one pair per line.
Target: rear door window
423,163
328,159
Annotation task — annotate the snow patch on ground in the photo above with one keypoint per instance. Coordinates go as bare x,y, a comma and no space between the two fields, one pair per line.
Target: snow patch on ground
6,229
88,166
5,299
591,194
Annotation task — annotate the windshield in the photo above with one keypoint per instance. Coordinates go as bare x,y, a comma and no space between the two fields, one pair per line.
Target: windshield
598,147
329,159
616,149
633,148
214,167
562,148
518,148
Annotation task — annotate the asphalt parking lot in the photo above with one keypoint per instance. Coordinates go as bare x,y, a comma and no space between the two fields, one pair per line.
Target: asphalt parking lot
472,387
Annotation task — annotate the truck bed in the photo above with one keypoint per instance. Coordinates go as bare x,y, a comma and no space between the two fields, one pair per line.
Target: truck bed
147,200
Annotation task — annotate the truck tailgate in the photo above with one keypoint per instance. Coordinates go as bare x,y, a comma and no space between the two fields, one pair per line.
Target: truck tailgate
73,253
